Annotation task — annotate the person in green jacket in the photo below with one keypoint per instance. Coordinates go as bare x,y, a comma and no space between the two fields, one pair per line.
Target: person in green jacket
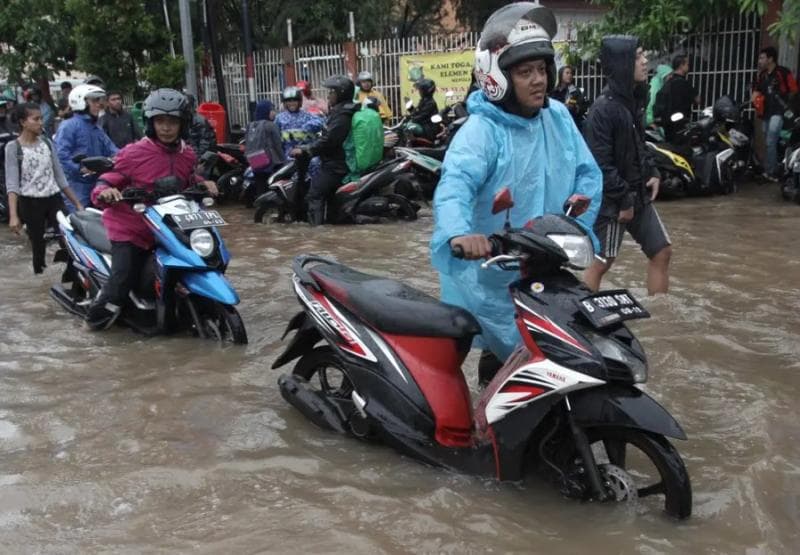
662,75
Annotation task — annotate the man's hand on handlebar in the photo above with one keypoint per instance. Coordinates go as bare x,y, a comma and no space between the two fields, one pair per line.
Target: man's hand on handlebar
473,247
110,195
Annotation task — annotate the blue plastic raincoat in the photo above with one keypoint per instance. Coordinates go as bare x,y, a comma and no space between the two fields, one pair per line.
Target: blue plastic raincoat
542,160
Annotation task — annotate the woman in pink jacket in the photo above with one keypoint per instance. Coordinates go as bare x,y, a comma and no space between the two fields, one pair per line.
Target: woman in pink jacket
162,153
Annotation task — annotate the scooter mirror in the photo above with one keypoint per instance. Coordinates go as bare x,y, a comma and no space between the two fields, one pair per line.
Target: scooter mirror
208,202
409,105
502,201
436,118
677,116
139,208
97,164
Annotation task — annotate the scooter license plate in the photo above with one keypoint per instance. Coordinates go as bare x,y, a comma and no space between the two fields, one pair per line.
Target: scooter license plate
607,308
204,218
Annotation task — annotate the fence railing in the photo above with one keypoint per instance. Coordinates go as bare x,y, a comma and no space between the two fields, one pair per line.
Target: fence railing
723,53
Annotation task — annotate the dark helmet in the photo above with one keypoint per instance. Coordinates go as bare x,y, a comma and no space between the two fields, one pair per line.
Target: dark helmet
725,110
425,86
342,86
168,102
292,93
514,34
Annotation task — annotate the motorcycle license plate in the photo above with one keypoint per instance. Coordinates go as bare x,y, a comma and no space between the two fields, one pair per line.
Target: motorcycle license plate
204,218
611,307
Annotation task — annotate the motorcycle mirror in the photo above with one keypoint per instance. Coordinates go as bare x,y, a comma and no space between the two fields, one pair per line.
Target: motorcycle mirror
502,201
577,205
139,207
208,202
409,105
677,116
97,164
436,118
78,158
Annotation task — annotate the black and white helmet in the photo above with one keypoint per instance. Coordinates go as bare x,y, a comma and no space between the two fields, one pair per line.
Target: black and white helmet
292,93
167,102
513,34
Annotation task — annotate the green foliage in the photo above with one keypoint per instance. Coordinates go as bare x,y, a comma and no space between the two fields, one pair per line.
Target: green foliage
35,38
788,23
168,72
113,39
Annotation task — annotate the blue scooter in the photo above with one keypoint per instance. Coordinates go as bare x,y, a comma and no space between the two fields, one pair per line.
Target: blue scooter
182,287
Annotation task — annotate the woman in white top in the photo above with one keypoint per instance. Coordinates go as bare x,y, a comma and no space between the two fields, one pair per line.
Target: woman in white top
34,181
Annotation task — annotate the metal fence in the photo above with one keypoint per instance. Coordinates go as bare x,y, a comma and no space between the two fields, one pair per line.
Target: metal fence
723,53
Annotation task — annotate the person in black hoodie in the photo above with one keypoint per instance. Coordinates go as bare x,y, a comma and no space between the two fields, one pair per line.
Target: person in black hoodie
330,146
614,131
427,108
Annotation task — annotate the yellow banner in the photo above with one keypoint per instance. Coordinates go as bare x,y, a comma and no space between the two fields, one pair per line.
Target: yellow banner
451,71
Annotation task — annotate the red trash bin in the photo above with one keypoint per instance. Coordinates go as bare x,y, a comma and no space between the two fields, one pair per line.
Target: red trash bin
215,114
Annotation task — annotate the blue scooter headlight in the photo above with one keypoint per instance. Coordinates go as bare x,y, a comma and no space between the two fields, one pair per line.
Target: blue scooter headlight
202,242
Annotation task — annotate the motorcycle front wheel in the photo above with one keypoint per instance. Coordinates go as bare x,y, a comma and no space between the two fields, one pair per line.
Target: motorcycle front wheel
637,464
220,322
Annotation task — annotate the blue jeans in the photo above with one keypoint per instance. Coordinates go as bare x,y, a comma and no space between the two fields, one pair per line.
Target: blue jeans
772,133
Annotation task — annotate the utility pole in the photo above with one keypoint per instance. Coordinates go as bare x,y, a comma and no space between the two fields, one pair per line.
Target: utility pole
169,29
188,46
249,67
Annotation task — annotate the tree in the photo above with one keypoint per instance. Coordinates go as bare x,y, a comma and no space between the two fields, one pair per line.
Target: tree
117,40
35,39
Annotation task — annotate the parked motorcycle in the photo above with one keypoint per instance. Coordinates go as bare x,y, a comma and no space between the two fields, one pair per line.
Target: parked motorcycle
565,406
367,200
790,188
225,164
183,285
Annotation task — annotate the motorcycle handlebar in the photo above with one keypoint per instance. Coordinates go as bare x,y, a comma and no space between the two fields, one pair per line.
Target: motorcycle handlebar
497,248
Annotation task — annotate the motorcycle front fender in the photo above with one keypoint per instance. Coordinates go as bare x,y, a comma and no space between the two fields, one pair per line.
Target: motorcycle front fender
211,285
303,341
623,407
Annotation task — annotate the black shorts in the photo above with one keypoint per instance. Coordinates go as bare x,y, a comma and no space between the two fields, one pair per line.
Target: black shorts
646,228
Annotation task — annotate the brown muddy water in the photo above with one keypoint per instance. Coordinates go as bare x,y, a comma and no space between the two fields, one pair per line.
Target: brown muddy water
111,442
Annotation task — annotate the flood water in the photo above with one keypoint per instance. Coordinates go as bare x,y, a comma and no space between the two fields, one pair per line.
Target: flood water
110,442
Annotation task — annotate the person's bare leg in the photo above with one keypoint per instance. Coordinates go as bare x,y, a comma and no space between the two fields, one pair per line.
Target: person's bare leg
658,271
594,274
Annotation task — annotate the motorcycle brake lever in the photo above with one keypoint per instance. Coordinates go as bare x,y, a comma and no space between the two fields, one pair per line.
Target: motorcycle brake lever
500,258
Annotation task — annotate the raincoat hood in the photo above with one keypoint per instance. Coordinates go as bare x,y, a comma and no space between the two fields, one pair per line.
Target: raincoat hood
263,109
618,57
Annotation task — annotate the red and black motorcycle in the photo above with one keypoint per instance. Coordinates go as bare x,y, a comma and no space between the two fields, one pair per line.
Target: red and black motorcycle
565,406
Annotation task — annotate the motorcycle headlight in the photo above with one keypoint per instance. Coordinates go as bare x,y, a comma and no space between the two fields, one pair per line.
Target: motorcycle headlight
612,350
578,249
202,242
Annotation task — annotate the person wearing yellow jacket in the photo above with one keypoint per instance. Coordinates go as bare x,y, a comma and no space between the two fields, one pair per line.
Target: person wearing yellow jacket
366,90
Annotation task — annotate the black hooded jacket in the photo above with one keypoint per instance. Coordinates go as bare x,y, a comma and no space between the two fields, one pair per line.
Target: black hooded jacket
614,129
330,146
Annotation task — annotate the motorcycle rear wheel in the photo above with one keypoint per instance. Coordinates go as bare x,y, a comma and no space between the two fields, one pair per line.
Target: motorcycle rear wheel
227,190
656,459
324,372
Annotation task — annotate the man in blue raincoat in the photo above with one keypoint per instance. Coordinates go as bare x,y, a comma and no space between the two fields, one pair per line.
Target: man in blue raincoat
514,138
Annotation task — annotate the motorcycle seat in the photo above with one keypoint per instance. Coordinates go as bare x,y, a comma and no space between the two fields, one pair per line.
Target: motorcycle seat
89,226
393,307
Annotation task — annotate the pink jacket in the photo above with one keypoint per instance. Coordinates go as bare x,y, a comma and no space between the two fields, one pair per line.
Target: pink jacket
139,165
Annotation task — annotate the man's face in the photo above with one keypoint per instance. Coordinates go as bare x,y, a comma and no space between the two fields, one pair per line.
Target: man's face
167,128
640,66
529,80
685,67
115,102
366,86
292,105
96,105
762,61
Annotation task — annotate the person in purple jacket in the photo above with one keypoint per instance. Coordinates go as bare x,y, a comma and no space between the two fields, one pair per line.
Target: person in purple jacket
162,153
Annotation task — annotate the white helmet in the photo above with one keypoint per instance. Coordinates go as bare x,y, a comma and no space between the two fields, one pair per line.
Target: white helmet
514,33
78,96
